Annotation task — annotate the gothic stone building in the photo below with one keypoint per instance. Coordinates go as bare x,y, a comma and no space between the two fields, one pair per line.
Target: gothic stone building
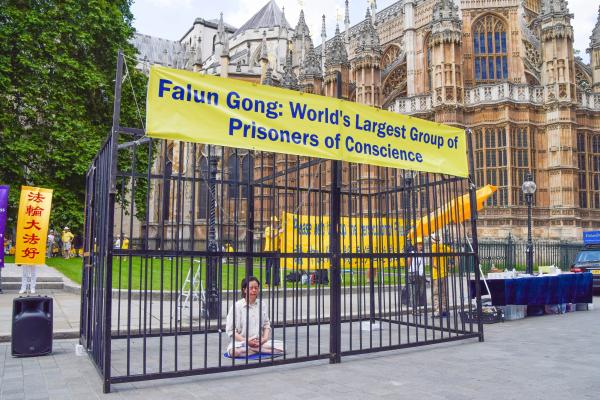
506,69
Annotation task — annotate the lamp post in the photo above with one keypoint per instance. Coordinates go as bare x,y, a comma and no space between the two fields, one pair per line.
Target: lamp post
528,189
213,300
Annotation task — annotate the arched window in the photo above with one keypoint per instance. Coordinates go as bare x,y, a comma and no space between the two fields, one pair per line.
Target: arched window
247,173
240,167
214,43
489,45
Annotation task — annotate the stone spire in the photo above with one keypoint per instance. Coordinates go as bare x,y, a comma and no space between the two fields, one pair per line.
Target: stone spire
282,21
188,58
594,51
373,11
269,78
249,53
323,44
410,45
289,79
368,39
366,64
445,10
145,65
264,58
223,48
311,76
222,43
301,27
595,38
312,66
223,38
165,58
556,20
300,40
263,48
198,54
336,51
554,7
446,23
445,46
337,68
347,24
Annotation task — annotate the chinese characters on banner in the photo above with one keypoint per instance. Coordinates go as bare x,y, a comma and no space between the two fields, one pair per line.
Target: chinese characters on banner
32,225
3,211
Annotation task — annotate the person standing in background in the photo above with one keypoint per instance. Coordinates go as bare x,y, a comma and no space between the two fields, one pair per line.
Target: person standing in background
125,244
67,239
28,278
50,243
273,245
77,244
439,277
417,284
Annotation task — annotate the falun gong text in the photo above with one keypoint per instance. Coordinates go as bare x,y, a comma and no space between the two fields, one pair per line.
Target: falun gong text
306,234
187,106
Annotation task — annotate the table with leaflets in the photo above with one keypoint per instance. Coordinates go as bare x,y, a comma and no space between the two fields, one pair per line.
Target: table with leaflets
538,290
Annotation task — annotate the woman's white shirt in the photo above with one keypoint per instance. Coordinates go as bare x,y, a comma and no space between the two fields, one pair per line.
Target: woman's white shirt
249,325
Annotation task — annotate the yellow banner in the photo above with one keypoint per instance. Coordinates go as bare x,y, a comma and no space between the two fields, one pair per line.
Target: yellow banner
305,234
32,225
188,106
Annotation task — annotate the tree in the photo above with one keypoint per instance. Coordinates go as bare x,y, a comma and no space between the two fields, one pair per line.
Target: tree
57,71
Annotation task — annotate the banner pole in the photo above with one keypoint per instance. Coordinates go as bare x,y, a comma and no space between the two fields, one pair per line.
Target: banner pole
3,219
335,292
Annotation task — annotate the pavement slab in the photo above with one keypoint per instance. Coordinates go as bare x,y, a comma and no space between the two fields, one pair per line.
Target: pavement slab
549,357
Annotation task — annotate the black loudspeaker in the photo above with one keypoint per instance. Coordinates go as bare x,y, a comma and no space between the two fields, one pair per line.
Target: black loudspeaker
32,326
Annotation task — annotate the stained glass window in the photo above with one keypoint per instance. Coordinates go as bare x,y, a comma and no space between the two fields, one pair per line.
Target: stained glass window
489,42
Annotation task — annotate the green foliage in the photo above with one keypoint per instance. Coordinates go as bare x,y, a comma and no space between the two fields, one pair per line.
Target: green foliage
57,71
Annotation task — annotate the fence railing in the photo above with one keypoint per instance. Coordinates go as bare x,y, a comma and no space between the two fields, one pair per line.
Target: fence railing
509,254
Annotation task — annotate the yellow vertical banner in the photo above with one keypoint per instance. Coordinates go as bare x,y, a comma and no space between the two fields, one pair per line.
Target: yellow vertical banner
32,225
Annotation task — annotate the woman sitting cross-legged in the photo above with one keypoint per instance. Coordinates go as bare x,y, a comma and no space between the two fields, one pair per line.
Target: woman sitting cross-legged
248,325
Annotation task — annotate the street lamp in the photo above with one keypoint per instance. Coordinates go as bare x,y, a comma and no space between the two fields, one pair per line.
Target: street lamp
528,189
213,306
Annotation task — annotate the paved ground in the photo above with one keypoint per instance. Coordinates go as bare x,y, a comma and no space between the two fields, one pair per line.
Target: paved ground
50,283
549,357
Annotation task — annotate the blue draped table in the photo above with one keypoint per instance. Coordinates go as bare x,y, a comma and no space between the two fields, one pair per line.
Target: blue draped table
538,290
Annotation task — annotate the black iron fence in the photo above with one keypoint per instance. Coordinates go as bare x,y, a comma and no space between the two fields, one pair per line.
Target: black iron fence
511,254
172,229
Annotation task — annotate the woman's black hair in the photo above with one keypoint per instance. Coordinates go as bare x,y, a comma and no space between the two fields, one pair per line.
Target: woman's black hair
246,281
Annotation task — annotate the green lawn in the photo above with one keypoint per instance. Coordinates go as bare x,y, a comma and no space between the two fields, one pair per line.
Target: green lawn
148,273
71,268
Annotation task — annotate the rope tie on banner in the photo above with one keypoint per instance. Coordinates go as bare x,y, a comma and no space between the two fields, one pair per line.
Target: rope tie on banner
128,78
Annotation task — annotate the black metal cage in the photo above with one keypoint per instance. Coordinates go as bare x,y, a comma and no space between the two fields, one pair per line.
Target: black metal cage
172,228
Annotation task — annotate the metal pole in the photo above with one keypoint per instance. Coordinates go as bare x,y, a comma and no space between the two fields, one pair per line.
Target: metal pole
110,234
473,207
529,198
214,303
250,228
407,193
335,292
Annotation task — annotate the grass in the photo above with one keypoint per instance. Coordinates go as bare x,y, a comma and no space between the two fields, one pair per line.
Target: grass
149,273
71,268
